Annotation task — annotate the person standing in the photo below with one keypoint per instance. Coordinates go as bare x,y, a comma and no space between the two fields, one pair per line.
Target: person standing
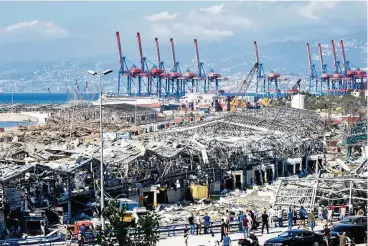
207,221
295,215
279,217
320,211
290,219
240,219
251,214
303,213
264,221
312,220
227,240
324,216
191,224
342,211
199,224
271,216
330,213
186,235
245,226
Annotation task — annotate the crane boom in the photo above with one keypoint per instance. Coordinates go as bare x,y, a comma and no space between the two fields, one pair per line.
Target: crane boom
320,56
343,55
334,55
140,50
197,56
158,52
248,79
309,59
119,49
173,52
256,51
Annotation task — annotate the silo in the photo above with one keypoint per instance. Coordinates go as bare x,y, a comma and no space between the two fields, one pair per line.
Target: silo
298,101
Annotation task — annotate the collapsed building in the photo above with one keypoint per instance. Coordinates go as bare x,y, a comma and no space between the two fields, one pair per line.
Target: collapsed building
235,150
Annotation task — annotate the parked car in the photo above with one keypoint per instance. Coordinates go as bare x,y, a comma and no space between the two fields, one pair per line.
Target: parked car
355,220
357,233
297,238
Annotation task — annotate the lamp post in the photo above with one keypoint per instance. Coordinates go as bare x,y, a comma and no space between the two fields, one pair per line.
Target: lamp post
106,72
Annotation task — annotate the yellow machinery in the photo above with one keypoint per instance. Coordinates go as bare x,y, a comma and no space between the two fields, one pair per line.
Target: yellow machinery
237,103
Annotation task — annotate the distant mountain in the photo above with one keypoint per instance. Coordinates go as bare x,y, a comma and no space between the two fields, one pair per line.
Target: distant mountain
233,59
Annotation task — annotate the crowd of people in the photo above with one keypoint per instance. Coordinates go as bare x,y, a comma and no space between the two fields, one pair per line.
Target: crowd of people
249,220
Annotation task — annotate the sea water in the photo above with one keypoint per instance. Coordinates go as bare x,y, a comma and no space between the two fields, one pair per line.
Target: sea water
39,98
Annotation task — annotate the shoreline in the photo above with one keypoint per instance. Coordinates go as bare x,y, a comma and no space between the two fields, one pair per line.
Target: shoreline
17,117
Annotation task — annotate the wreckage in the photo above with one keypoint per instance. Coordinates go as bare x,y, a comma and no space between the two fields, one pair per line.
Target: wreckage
236,150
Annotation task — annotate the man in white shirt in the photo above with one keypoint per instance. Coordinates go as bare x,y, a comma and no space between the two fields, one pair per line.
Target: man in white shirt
279,217
271,216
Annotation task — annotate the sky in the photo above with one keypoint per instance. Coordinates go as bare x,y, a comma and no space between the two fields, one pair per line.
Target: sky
76,30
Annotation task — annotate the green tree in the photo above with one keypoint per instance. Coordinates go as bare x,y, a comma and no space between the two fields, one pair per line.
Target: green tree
145,233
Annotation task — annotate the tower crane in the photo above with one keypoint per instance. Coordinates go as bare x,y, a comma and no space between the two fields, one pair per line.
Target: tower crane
312,74
124,71
174,82
158,72
325,77
260,71
337,76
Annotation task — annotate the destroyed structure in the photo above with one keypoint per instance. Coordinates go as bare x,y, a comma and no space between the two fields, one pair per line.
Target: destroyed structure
235,150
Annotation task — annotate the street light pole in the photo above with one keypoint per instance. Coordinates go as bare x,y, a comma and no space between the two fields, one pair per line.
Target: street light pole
102,186
102,202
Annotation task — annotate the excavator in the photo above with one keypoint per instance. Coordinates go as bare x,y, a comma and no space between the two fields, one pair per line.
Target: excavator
240,103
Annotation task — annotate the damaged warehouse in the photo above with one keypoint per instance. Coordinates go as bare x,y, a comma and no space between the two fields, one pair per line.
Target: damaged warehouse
59,181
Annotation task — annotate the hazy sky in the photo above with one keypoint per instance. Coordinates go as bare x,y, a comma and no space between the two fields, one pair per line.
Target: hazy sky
82,29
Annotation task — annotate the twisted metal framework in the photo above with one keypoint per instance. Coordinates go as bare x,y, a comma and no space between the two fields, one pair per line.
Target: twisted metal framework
206,150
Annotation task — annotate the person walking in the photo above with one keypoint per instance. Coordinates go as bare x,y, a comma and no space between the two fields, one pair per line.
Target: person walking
186,235
271,216
290,219
303,213
245,226
227,240
191,224
207,221
279,217
312,220
199,224
223,229
265,221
